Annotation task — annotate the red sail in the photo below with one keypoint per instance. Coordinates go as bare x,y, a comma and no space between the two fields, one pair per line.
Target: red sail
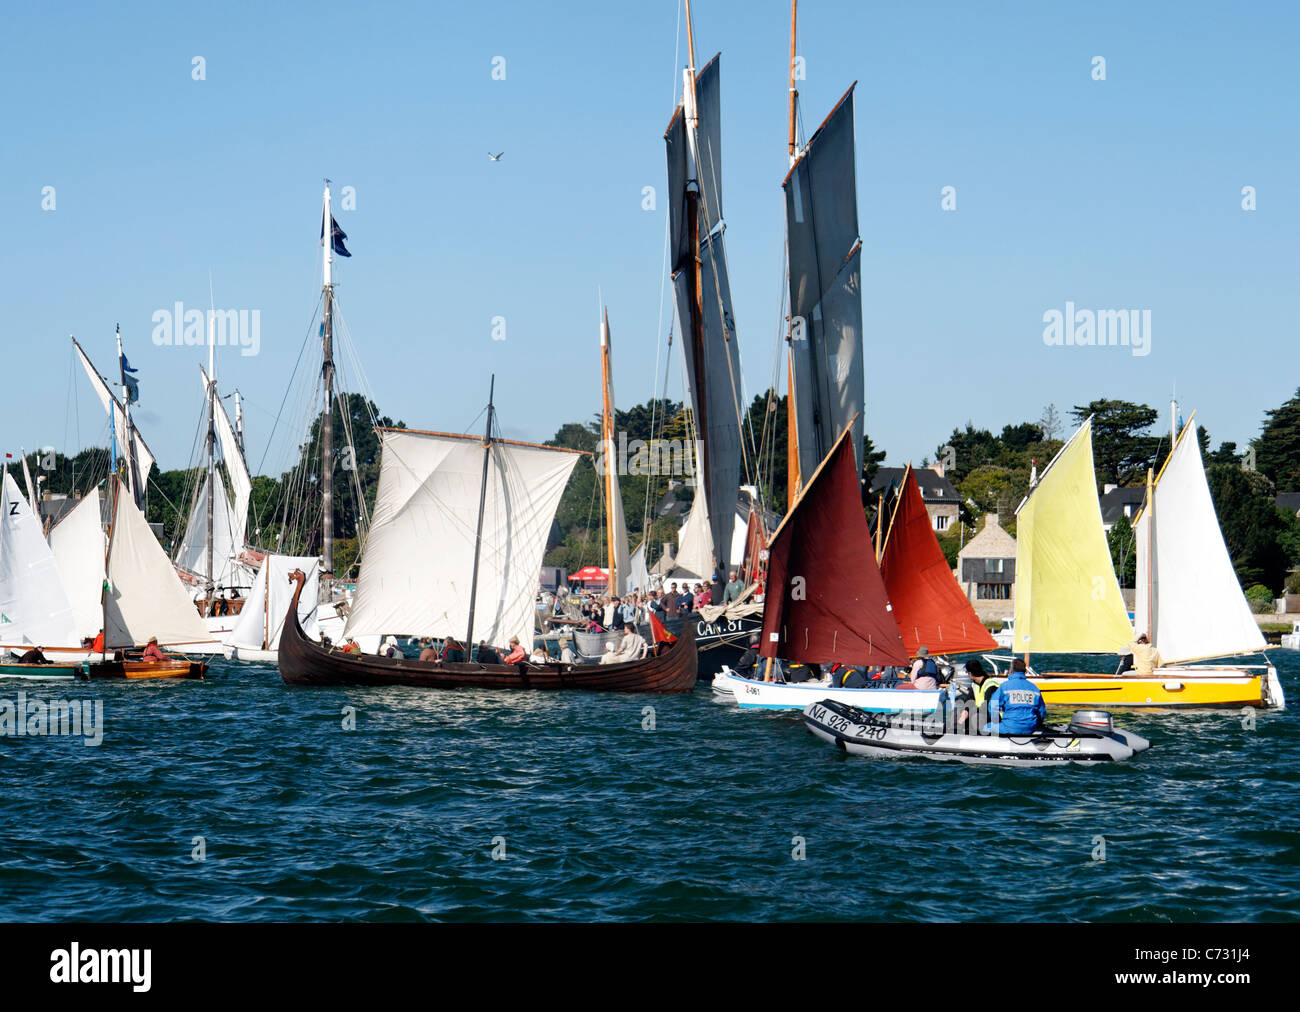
755,538
929,605
825,598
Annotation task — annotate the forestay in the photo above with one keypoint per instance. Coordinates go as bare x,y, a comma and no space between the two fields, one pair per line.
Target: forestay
419,556
34,608
1188,596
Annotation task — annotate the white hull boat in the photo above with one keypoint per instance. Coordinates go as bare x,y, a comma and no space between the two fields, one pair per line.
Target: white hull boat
752,694
1089,739
1291,640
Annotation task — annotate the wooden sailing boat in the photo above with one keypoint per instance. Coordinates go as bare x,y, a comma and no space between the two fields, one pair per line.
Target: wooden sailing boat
256,633
929,605
456,544
1068,599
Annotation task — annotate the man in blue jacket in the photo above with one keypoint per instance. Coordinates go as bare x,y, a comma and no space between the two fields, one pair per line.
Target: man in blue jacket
1016,706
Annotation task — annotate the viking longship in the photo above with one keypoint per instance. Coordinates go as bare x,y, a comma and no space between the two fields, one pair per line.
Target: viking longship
457,538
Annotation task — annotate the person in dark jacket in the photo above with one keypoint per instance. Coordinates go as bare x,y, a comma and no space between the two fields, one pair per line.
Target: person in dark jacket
1016,706
745,667
487,654
36,655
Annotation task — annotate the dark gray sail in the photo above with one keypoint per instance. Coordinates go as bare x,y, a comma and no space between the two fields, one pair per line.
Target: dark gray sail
821,214
716,396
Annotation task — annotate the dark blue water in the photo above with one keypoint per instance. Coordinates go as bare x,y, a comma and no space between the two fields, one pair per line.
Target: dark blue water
597,818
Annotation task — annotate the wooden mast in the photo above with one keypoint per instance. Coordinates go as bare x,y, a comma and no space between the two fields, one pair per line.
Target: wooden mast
792,476
482,504
327,422
212,448
1151,540
695,283
607,438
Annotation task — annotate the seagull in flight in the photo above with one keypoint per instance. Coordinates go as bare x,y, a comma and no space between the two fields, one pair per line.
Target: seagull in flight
496,157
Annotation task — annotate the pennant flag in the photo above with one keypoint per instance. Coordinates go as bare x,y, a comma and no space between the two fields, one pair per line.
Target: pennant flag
130,382
657,630
337,235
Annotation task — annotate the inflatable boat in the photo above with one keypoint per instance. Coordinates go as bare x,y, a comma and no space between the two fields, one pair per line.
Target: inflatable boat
1090,737
753,694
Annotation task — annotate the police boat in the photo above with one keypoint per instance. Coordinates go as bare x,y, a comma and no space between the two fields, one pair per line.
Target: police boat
1090,737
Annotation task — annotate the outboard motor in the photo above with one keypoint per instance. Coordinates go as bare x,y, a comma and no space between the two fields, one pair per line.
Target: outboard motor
1093,721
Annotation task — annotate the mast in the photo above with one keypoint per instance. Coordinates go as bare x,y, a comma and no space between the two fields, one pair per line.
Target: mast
239,422
327,423
607,437
695,284
129,442
212,449
482,505
1151,540
792,476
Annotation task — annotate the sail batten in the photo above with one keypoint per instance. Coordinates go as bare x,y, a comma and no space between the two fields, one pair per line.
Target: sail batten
1067,597
420,550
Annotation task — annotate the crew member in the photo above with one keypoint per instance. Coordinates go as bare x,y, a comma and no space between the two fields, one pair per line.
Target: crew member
1016,706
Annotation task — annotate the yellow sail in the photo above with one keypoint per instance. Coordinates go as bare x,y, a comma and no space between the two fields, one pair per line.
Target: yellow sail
1067,597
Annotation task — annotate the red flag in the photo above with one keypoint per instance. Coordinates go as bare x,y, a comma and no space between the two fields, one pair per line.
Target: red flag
657,630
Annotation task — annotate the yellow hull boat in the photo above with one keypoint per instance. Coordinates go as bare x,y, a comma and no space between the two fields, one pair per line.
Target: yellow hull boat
1181,687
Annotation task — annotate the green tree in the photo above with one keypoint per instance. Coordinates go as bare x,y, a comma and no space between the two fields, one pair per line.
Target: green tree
1254,529
1277,450
1123,551
1121,445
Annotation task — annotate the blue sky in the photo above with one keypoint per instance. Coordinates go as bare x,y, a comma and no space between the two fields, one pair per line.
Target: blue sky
1115,194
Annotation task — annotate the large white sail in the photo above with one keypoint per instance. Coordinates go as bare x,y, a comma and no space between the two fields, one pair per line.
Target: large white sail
261,621
419,558
192,555
34,608
1188,598
145,597
694,543
79,547
241,484
143,457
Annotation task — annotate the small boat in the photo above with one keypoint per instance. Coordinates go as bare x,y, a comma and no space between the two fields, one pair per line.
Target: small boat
172,667
1089,738
13,669
304,662
1006,636
1291,640
751,693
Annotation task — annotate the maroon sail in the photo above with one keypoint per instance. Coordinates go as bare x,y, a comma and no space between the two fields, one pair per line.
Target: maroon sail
826,600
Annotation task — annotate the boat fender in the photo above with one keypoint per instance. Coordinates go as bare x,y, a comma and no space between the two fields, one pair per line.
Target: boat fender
1173,686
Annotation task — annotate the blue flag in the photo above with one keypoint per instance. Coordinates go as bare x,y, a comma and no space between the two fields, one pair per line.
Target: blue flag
337,235
130,382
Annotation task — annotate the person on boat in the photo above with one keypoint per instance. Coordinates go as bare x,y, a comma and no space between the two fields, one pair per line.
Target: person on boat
429,654
924,673
848,676
629,611
452,651
539,656
1145,657
633,646
703,596
982,684
351,646
958,699
152,652
487,654
685,600
669,601
517,654
567,656
749,659
717,587
1016,706
735,588
610,656
390,648
36,655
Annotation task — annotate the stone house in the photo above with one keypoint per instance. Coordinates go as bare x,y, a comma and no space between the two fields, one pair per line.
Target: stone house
986,570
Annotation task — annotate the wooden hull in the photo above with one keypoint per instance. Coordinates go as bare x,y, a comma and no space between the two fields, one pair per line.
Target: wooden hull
305,662
16,670
172,668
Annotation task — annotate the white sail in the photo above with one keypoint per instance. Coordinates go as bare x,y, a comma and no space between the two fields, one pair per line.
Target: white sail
261,621
638,577
695,543
145,596
1195,608
79,547
192,555
34,607
241,484
419,559
143,457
